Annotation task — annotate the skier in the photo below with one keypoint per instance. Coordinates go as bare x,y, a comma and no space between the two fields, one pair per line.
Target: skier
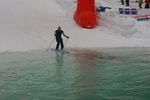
147,3
59,39
122,2
127,2
140,3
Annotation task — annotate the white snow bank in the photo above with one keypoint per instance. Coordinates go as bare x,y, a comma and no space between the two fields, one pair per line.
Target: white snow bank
24,24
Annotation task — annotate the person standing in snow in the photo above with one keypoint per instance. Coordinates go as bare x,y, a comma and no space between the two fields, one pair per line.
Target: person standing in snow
59,39
127,3
122,2
140,3
147,4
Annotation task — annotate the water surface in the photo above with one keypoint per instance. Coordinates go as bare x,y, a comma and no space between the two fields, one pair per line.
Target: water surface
83,74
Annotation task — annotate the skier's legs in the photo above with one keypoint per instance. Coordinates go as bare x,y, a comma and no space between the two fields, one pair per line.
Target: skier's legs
57,46
62,45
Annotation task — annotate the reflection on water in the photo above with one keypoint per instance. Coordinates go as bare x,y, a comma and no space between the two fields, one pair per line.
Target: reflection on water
86,82
86,57
59,59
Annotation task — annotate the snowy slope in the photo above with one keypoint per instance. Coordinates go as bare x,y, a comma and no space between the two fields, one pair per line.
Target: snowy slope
24,24
30,24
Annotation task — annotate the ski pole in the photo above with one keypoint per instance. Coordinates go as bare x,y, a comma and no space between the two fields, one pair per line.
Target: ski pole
50,44
66,42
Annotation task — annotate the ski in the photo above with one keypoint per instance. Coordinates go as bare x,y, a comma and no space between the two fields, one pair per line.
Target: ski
60,51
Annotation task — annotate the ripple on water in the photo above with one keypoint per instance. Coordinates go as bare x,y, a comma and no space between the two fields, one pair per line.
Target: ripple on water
83,74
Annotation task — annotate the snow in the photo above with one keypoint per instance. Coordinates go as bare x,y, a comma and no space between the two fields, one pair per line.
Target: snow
30,24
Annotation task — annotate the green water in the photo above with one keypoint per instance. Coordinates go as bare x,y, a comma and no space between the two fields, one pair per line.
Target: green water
102,74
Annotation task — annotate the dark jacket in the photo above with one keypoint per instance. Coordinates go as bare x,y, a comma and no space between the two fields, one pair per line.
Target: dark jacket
58,34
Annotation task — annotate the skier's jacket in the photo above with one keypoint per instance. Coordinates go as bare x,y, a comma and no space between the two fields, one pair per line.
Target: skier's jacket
58,34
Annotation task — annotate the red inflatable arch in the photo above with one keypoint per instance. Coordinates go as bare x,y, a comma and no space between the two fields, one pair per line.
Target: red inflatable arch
85,14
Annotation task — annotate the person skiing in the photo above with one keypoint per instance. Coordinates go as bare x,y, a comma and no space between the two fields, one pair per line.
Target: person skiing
59,39
140,3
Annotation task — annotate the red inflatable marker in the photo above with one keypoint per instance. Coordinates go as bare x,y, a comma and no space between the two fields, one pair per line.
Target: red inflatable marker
85,14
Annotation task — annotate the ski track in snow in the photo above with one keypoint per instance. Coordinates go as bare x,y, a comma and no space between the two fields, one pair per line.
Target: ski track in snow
30,24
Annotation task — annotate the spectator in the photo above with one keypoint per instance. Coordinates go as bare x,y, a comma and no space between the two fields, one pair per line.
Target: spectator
147,4
140,3
122,2
127,3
